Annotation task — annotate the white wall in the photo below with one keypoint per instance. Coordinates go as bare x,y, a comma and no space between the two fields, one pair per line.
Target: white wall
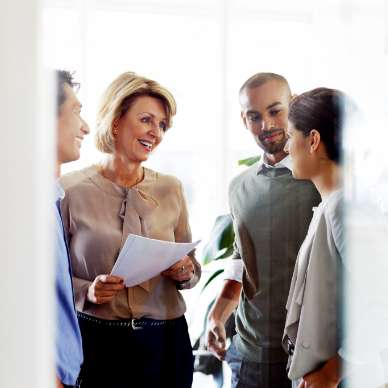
25,199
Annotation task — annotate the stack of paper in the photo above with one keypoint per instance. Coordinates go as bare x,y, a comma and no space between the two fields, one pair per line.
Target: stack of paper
143,258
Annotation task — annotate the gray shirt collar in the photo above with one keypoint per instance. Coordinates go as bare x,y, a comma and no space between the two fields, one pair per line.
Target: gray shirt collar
284,163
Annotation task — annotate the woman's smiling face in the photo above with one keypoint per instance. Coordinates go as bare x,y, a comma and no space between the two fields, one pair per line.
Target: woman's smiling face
141,129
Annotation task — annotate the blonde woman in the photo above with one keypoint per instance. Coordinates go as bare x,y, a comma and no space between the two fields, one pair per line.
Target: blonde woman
137,336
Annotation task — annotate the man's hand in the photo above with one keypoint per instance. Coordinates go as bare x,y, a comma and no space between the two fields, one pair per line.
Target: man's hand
216,339
222,309
58,383
181,271
104,288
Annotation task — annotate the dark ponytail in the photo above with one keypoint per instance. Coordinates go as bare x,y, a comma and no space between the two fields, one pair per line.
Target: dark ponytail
321,109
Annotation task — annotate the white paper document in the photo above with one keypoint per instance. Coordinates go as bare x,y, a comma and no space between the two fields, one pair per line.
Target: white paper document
142,258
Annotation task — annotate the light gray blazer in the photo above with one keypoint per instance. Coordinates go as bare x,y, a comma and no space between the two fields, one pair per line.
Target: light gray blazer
312,322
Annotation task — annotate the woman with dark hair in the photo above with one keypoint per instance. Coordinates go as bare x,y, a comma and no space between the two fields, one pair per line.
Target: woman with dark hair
313,326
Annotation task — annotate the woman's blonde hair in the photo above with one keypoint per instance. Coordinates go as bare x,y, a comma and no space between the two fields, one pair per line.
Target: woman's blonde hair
118,98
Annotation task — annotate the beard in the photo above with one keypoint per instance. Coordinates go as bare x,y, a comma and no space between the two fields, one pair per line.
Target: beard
275,146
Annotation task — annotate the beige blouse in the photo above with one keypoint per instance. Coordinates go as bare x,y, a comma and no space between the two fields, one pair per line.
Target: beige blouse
98,215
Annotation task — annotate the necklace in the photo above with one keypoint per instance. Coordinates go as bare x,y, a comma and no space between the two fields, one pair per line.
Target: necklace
122,181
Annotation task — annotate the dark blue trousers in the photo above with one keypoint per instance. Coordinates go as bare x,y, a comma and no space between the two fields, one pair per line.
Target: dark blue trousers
121,357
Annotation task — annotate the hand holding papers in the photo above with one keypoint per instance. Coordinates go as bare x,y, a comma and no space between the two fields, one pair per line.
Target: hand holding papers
142,258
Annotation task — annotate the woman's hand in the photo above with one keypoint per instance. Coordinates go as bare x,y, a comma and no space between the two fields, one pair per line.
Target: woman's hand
318,379
328,376
182,271
104,288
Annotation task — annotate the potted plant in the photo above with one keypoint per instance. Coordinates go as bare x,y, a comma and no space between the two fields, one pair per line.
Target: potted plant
218,247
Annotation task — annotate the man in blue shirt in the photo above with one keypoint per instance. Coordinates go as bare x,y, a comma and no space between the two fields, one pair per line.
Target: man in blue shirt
71,129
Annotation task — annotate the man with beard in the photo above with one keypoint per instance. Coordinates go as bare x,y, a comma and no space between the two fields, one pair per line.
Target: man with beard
271,212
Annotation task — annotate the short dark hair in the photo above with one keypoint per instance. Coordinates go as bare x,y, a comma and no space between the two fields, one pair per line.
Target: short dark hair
324,110
260,79
64,77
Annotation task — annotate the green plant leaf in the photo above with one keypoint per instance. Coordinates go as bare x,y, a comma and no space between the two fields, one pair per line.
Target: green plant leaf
220,253
249,161
227,252
220,240
211,278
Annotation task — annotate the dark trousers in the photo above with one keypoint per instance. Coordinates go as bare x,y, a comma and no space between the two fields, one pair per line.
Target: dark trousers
248,374
121,357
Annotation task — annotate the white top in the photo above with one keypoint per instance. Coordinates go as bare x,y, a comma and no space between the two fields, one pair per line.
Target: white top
314,295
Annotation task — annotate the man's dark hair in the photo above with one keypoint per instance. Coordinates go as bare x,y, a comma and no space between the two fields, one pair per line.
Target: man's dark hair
324,110
63,77
260,79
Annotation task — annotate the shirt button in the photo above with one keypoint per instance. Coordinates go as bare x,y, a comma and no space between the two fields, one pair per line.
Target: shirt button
305,345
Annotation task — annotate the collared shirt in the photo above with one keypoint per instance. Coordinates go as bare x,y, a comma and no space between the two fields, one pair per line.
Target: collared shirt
234,268
99,215
69,354
284,163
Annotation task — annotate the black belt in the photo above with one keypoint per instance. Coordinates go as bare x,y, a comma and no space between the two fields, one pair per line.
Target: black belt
133,323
